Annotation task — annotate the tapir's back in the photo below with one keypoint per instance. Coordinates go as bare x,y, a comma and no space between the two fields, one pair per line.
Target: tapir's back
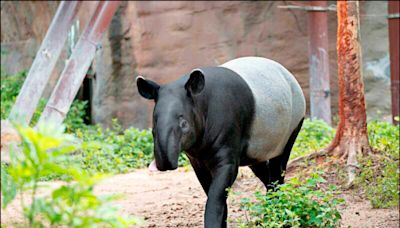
279,101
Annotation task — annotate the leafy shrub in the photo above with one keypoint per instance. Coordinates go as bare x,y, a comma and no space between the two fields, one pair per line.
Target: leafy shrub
121,149
39,109
132,148
10,87
379,175
75,118
8,188
294,204
383,136
73,204
314,135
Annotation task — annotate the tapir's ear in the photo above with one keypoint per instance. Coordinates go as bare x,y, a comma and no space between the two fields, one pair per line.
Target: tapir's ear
195,84
148,89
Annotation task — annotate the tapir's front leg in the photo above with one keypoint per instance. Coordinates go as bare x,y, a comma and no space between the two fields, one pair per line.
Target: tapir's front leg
224,174
202,173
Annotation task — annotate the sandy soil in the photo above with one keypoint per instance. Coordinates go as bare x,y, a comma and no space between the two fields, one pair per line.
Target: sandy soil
176,199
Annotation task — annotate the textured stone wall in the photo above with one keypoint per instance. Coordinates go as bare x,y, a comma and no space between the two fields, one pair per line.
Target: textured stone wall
163,40
168,39
23,26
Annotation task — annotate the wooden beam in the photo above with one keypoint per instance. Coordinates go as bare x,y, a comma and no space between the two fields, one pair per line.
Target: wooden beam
44,62
74,72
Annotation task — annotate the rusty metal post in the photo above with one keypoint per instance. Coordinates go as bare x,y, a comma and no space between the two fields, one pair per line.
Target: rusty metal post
74,72
320,98
394,24
44,62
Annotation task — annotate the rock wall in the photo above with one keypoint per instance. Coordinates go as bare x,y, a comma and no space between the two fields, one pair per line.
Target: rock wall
163,40
170,38
23,26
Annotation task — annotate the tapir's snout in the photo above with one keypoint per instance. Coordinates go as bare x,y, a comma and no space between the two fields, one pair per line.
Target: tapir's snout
163,163
165,166
166,153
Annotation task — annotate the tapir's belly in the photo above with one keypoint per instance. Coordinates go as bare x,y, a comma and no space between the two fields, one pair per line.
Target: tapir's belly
279,104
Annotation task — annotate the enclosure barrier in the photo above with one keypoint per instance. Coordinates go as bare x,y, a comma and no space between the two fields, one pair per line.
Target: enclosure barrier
78,64
319,79
320,95
44,62
75,70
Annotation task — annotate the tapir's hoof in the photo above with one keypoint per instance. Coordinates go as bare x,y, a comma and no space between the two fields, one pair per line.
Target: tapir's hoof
152,166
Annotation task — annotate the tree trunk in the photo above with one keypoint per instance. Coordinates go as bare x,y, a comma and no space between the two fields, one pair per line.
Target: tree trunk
351,137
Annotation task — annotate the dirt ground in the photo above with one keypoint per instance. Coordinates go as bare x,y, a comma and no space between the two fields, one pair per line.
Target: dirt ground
176,199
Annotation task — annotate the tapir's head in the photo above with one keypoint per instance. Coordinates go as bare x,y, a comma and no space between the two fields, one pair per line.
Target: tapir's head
175,120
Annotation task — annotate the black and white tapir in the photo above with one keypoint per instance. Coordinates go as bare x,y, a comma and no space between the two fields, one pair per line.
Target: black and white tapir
246,112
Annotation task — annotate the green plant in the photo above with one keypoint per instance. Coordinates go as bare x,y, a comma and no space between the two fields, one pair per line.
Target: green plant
314,135
379,175
294,204
10,86
39,109
73,204
75,118
8,188
122,149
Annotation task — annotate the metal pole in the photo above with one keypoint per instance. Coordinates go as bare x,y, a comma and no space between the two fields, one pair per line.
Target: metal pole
320,99
394,24
74,72
44,62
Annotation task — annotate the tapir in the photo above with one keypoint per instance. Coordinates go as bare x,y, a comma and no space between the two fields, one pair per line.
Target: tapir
245,112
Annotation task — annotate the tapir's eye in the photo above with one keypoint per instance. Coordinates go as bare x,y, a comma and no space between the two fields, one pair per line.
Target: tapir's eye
184,125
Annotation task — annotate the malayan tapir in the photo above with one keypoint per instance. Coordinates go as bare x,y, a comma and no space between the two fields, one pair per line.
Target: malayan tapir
246,112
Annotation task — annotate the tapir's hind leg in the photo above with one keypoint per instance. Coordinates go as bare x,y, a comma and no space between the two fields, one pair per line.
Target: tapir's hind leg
278,164
267,173
261,170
